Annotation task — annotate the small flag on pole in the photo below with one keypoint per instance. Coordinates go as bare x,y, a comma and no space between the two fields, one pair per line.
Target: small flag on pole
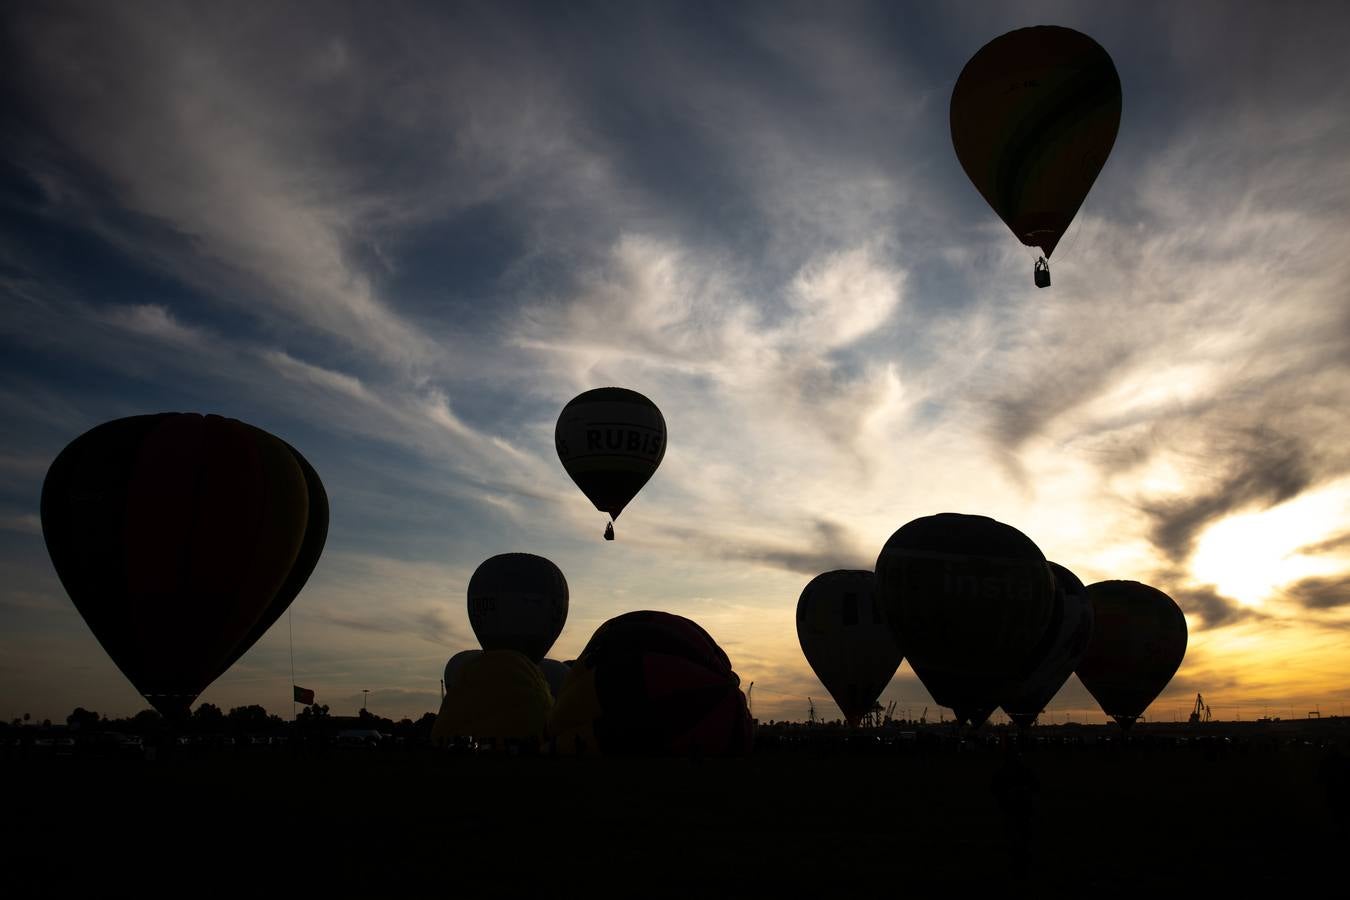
303,695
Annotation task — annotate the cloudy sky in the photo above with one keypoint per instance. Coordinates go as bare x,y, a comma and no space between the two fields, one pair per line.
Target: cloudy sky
403,237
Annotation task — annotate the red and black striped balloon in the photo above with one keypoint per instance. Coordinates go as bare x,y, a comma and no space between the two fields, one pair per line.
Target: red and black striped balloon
181,538
652,684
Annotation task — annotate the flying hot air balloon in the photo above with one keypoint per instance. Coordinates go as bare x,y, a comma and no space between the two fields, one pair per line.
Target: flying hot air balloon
972,600
180,538
518,601
1068,642
845,638
1138,643
610,440
1034,115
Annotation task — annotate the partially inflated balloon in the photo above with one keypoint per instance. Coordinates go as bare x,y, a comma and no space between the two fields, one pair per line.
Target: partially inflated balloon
1068,644
610,440
845,638
496,695
972,600
518,601
650,684
180,538
555,673
1138,643
1034,115
456,663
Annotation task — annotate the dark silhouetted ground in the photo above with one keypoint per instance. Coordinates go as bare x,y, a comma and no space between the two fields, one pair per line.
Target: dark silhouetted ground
1107,820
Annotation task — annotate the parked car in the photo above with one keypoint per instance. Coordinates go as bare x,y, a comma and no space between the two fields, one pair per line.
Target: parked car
361,738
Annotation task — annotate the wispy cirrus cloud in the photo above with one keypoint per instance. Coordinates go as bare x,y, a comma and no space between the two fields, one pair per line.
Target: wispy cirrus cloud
405,240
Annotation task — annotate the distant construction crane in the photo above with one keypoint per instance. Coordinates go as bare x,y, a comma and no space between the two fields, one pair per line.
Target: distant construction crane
1201,712
878,715
811,711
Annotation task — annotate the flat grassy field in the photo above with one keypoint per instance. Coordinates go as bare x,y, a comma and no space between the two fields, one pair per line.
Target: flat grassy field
1107,822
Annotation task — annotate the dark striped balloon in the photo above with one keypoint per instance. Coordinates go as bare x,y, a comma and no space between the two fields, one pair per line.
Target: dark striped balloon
845,638
973,603
518,601
611,441
652,684
1069,641
1138,641
180,538
1034,115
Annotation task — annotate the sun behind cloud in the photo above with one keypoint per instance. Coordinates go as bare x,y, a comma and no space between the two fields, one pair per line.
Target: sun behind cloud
1252,556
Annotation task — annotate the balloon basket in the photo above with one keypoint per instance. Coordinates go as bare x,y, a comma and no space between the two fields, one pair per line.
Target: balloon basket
1042,273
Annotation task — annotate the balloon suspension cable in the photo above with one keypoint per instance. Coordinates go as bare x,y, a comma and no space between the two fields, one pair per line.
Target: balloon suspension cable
290,632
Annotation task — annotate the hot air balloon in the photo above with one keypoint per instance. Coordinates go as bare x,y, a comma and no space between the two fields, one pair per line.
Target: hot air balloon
496,695
1138,642
1068,643
456,663
1034,115
180,538
972,600
316,534
555,673
610,441
651,684
845,638
518,601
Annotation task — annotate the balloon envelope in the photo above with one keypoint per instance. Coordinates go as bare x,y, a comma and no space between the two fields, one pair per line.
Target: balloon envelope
610,440
972,600
180,538
316,535
1069,643
651,683
555,673
455,664
1138,643
1034,115
518,601
845,638
497,695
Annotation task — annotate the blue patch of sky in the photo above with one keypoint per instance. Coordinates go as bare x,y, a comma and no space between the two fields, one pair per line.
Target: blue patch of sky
451,270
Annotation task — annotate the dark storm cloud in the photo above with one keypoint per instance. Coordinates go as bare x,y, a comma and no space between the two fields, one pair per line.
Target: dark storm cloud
835,547
1261,468
1214,609
1334,545
1321,593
